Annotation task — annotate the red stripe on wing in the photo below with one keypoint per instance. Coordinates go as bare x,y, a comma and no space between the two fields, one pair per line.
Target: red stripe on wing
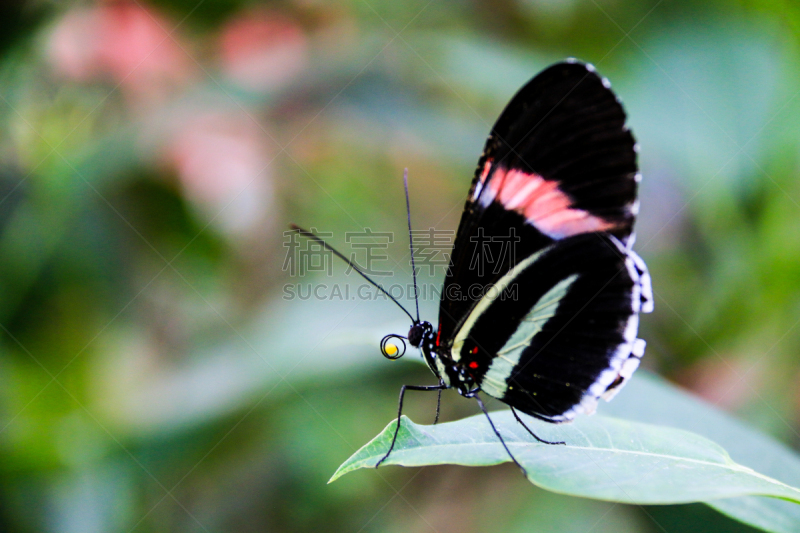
541,202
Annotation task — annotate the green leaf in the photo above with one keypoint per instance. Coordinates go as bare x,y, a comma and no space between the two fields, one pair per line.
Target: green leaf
604,458
648,398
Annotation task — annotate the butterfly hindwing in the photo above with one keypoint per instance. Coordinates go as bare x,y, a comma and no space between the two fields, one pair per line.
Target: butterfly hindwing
559,330
558,162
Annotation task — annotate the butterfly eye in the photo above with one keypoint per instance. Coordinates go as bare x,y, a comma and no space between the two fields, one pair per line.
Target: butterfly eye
393,346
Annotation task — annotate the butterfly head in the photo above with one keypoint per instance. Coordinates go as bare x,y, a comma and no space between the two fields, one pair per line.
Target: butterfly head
418,332
393,346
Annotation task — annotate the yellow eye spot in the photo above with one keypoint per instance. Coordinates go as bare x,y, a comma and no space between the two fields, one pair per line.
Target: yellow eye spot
391,349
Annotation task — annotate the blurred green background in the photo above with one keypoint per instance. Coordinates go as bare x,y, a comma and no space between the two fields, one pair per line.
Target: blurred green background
154,376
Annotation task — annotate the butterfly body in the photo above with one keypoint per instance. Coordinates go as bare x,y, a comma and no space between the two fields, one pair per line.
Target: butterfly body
541,302
448,371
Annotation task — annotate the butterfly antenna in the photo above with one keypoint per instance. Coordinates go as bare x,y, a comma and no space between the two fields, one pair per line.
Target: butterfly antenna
308,234
411,243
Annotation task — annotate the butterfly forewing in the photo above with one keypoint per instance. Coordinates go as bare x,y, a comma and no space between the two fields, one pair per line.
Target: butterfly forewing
559,162
561,154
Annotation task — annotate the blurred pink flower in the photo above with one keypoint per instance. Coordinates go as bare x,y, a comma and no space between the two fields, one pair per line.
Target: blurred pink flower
124,41
74,44
222,164
263,50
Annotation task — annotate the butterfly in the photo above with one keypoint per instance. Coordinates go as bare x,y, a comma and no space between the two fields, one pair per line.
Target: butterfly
541,300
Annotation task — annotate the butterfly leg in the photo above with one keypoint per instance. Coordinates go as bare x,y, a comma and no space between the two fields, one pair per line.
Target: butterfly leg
483,408
439,401
403,390
531,432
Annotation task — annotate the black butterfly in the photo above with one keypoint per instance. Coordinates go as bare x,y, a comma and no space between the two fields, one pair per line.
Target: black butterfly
550,326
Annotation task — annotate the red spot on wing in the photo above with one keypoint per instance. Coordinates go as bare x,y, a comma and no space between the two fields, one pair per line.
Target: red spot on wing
473,365
541,202
438,336
474,350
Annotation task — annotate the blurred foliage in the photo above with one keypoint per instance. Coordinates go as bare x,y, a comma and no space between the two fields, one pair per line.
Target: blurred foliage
152,153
